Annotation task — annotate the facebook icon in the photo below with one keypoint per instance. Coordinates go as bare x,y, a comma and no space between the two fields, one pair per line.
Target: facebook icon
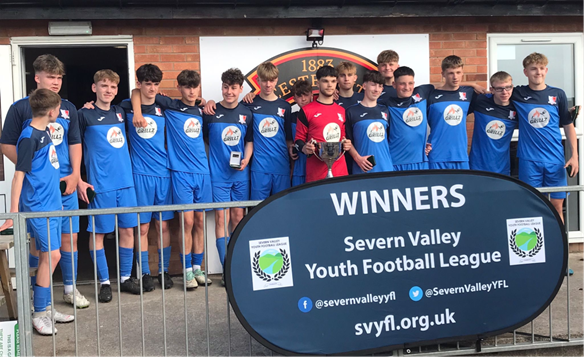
305,304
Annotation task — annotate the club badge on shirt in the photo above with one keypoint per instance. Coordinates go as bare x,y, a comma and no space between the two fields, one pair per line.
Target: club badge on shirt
552,100
462,95
65,114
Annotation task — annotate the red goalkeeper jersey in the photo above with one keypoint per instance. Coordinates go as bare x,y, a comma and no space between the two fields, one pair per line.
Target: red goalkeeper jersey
323,123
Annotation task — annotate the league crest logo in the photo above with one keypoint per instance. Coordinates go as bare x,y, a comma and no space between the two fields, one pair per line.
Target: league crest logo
341,117
417,98
281,112
384,115
242,119
120,118
158,111
462,95
512,115
65,114
552,100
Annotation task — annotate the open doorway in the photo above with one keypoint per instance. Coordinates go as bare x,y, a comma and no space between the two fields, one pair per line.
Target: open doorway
81,63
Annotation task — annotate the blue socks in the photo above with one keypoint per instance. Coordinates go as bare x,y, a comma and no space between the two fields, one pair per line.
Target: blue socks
66,268
101,262
187,260
145,265
222,248
166,252
41,299
198,259
126,256
33,262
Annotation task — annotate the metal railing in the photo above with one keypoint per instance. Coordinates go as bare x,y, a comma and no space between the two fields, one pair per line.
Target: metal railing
203,333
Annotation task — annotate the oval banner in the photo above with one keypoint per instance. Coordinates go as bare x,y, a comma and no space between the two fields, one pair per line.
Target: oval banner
369,263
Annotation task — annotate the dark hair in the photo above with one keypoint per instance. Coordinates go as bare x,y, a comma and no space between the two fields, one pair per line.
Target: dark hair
43,100
403,71
452,61
326,71
232,76
149,73
374,76
188,78
48,63
301,87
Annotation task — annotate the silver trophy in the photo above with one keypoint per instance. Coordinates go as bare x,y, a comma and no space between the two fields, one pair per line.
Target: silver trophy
328,153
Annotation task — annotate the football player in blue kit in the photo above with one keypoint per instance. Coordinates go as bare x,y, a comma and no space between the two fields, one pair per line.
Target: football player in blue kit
366,126
302,92
346,81
495,119
448,107
387,63
189,169
109,174
35,188
272,136
149,163
542,109
229,131
49,72
408,124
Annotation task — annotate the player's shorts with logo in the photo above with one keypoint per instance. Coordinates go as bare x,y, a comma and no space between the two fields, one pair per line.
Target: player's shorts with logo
124,197
263,184
449,165
153,191
189,188
70,202
230,191
412,167
543,174
299,180
38,230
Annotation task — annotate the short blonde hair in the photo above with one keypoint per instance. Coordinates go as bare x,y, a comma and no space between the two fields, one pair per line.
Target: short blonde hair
535,58
387,56
267,71
106,74
452,62
49,64
346,67
500,76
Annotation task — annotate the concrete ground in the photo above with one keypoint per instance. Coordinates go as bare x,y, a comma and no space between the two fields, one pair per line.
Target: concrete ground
221,330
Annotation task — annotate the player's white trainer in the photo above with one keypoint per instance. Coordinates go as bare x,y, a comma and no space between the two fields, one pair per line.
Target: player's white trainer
191,282
80,301
59,317
201,277
43,325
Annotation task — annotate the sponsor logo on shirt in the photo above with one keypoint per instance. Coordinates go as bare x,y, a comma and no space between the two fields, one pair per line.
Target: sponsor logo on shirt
512,115
183,109
115,137
231,135
258,107
453,114
100,118
269,127
65,114
242,119
362,115
413,116
527,98
495,129
149,131
417,98
489,109
462,95
538,117
332,133
552,100
42,139
192,128
317,115
56,132
120,117
439,96
376,132
281,112
219,116
158,111
53,158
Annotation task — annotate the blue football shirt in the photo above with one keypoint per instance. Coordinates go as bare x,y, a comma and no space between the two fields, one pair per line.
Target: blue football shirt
228,130
350,101
388,92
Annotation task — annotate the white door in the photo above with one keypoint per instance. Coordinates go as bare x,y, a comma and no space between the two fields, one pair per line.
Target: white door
6,99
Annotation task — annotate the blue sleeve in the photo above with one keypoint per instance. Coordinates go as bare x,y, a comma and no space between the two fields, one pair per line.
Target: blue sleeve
25,150
126,105
163,101
565,117
349,125
74,134
12,126
249,130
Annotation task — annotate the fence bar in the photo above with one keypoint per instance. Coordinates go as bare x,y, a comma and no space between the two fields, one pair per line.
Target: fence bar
139,273
50,284
162,265
23,285
206,285
532,332
514,337
182,233
117,234
551,328
95,278
226,235
74,285
567,226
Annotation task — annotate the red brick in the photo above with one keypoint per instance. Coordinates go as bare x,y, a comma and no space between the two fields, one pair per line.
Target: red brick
453,27
476,60
440,36
146,58
441,53
158,30
139,49
436,78
159,49
165,66
498,28
435,70
4,41
193,57
476,44
476,77
184,65
481,69
464,36
568,27
482,53
465,53
174,40
21,31
132,30
481,36
169,81
150,40
186,48
476,27
470,69
408,29
209,31
172,58
436,61
435,44
453,44
187,30
191,39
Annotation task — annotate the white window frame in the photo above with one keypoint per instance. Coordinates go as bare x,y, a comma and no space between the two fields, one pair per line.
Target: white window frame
577,40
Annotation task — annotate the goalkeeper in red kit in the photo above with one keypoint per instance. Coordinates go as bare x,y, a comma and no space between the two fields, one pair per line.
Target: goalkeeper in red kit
322,121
